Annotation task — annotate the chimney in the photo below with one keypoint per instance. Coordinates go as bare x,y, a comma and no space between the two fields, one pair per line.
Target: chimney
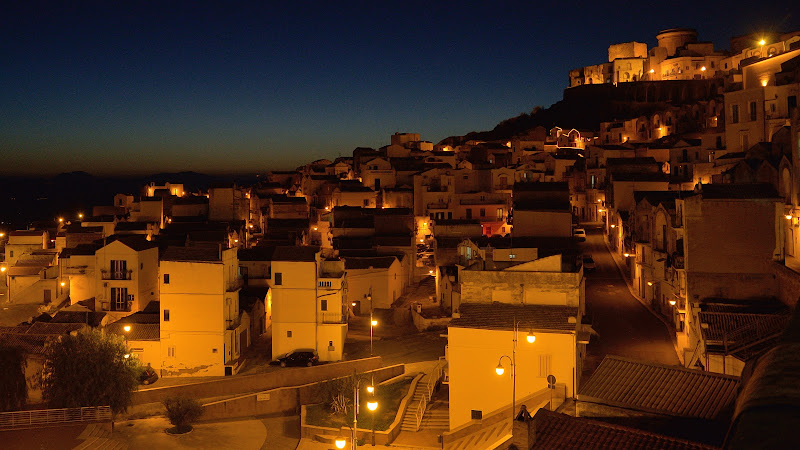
522,432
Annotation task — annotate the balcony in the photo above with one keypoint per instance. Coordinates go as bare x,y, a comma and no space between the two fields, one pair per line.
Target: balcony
234,285
116,274
437,188
330,317
438,205
678,261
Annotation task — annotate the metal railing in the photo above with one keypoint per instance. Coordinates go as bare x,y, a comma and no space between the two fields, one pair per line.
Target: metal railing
44,417
116,274
427,392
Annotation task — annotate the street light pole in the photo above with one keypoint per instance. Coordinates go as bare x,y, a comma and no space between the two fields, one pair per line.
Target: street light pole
531,338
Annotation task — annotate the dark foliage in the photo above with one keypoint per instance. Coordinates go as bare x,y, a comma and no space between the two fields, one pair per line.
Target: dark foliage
89,369
182,412
13,388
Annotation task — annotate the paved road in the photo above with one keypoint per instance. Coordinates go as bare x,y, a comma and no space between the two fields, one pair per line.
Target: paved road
625,327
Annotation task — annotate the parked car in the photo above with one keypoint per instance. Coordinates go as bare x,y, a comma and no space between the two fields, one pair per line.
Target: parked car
301,357
580,234
148,376
588,263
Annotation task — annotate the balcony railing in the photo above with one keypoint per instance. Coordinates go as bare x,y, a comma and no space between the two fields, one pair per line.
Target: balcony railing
329,317
116,274
45,417
677,261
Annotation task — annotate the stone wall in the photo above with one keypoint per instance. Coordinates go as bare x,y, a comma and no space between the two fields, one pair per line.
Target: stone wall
242,384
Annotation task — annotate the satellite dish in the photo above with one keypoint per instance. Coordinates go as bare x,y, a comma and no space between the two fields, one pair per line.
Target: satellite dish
551,381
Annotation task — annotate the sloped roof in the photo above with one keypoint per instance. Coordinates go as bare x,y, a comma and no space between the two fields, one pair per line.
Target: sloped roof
258,253
559,431
738,191
500,316
88,317
295,253
380,262
138,332
191,254
659,388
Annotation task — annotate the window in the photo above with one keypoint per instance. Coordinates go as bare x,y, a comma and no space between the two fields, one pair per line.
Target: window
119,269
469,213
166,315
213,350
477,414
166,278
544,365
499,213
11,253
171,352
119,299
753,113
791,102
278,278
323,305
289,334
366,202
141,266
734,113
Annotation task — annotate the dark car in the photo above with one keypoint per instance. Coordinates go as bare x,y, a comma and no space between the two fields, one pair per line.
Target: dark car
588,263
148,376
302,357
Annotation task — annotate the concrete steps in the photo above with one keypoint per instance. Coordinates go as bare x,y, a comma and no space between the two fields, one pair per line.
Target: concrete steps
99,437
435,420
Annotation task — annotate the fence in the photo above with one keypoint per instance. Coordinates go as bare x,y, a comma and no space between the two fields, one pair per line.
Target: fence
47,417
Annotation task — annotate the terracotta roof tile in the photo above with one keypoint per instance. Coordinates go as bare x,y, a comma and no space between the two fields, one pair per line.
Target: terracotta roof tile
500,316
659,388
559,431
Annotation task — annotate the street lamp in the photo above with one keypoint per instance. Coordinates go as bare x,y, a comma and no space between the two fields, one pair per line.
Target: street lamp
500,370
372,405
340,441
127,329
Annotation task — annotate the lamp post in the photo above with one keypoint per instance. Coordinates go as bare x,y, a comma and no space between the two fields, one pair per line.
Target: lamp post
372,405
372,322
531,338
127,329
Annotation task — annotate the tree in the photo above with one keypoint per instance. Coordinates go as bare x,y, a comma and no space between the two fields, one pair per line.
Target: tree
13,387
89,369
182,412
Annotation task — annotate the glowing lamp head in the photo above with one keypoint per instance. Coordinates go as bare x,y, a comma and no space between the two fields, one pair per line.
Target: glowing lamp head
499,369
789,216
374,323
127,328
764,83
3,269
531,338
627,254
126,355
370,389
613,226
649,283
672,302
251,225
63,284
340,442
703,69
315,228
652,70
353,304
60,219
2,234
372,405
762,42
80,216
430,272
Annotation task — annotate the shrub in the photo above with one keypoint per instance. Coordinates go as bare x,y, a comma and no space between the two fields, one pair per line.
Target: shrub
182,412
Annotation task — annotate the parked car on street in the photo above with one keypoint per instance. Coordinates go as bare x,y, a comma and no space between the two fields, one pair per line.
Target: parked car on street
588,263
301,357
580,234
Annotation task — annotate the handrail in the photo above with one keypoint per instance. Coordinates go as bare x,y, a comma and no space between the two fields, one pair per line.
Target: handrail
44,417
420,412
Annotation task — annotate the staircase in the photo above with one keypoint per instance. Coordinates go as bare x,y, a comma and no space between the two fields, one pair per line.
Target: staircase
436,418
415,416
409,419
98,437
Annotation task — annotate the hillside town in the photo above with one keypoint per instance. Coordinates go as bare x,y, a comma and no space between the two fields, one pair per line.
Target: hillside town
630,285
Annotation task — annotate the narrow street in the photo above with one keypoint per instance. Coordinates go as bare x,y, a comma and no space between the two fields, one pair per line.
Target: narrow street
625,327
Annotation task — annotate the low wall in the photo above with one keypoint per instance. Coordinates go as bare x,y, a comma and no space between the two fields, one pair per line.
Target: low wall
242,384
423,323
385,437
788,282
283,400
533,402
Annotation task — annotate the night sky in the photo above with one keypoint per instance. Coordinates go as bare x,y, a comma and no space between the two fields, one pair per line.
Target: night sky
250,87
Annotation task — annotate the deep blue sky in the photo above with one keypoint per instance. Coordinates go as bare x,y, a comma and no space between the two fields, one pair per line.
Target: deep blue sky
250,87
